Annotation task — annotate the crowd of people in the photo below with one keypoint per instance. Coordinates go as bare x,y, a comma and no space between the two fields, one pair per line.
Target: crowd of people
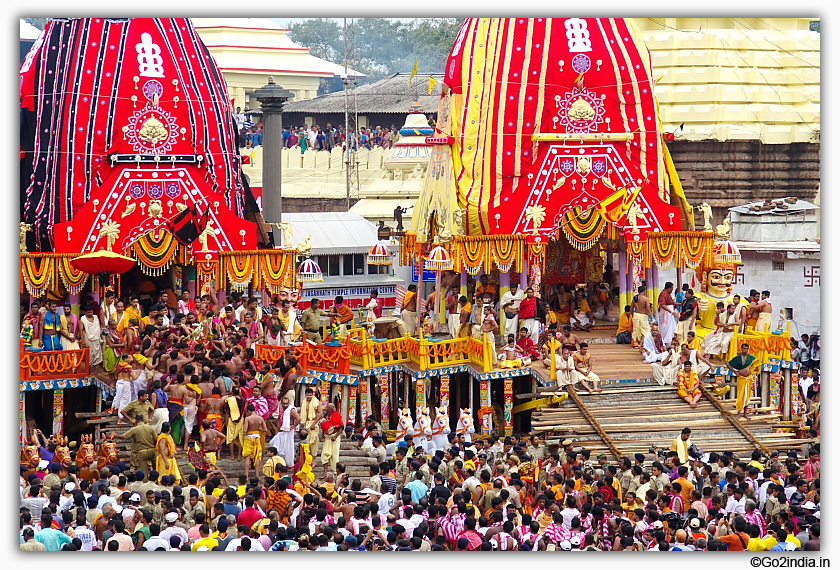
482,494
186,376
315,137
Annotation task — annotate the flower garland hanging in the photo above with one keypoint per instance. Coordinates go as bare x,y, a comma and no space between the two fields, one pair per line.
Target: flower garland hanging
408,247
471,254
535,254
639,252
154,254
206,271
507,251
664,248
38,273
239,270
695,246
274,268
73,279
583,228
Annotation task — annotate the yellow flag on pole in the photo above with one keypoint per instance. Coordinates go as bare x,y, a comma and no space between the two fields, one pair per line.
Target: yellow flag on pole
413,71
432,82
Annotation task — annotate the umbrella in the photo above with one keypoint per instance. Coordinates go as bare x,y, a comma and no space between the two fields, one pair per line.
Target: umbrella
102,262
379,255
310,272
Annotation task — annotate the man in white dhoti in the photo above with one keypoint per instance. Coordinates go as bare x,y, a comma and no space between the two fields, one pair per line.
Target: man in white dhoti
284,439
667,313
665,372
698,362
654,347
91,336
718,341
510,305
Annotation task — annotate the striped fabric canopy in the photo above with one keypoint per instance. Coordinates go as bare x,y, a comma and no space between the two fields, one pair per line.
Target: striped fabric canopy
549,114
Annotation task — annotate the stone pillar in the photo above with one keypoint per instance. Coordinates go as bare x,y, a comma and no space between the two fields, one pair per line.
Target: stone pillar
345,401
58,413
384,400
272,97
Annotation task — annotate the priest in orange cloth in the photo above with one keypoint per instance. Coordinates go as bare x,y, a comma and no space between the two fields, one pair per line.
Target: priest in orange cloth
345,315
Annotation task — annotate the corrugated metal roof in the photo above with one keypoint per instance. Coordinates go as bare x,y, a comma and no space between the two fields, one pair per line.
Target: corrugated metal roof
389,95
332,232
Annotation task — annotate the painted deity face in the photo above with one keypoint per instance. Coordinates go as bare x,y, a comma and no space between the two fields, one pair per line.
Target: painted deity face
718,281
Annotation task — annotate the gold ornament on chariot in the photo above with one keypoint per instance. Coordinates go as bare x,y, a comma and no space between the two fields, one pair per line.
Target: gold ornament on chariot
153,131
155,209
583,165
581,110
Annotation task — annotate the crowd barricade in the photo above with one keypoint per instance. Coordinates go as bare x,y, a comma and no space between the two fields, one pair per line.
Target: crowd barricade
53,364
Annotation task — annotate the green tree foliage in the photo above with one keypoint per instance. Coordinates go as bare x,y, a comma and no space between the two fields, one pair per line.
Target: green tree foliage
383,46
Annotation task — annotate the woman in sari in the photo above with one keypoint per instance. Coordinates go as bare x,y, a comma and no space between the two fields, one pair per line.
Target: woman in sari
741,365
667,313
114,345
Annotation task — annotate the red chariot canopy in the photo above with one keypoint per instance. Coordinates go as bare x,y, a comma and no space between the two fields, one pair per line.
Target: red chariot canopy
128,122
550,114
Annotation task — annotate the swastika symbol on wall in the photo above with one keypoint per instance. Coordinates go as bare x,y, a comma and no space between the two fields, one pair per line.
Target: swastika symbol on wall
812,278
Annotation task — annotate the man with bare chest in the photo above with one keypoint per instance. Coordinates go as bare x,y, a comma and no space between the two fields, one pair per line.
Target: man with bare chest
642,315
211,441
255,430
213,408
288,369
192,399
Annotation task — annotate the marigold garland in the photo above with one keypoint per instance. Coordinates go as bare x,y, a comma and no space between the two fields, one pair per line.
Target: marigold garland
73,279
239,270
664,249
274,268
472,254
583,227
508,251
408,246
207,271
155,255
536,255
38,273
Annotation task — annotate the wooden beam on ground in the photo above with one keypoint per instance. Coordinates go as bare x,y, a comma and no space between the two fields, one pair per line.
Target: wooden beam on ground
541,403
591,419
732,420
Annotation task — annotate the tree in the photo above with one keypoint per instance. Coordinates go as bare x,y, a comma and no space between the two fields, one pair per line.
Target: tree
384,46
323,36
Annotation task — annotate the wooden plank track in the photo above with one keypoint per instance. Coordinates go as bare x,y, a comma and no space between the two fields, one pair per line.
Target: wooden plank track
591,419
732,420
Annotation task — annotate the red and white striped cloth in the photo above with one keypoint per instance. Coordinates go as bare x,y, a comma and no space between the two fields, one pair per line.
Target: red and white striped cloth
401,291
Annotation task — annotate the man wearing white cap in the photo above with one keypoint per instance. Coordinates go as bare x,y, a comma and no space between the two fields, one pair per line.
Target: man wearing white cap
575,542
171,529
66,500
565,545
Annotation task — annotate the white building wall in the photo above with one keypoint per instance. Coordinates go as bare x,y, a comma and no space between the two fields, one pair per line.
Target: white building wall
797,287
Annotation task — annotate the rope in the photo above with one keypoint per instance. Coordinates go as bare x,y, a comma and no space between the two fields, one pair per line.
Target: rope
593,422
